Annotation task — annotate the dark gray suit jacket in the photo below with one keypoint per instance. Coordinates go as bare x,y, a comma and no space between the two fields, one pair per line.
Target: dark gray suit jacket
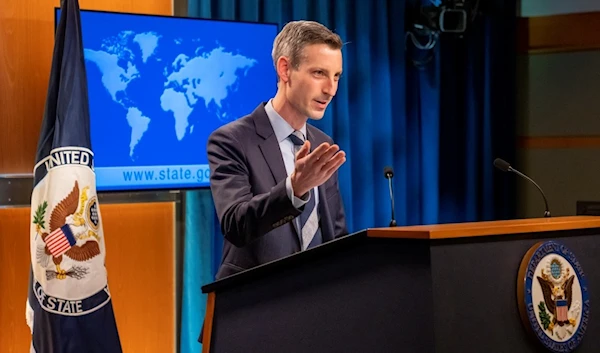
247,178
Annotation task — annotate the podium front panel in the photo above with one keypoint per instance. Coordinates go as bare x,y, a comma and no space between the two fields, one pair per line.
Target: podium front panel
366,296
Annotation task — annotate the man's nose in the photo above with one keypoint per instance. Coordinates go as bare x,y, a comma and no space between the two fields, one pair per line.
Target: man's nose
330,87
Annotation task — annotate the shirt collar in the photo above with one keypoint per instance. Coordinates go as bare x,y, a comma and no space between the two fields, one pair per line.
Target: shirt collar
281,127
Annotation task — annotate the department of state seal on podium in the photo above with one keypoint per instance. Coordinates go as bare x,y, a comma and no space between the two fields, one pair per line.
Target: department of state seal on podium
553,296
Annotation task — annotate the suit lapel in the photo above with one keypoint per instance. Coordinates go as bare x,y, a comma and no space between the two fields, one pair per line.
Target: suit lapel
326,230
271,151
270,146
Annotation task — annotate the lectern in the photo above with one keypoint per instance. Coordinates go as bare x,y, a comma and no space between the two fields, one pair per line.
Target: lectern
433,288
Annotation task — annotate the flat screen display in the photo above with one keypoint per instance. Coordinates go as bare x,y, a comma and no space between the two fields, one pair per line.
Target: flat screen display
159,85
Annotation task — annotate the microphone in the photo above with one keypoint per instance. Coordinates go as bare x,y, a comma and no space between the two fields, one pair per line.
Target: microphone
505,167
388,173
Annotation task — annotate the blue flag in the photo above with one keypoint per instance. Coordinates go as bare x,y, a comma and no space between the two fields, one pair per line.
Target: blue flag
69,306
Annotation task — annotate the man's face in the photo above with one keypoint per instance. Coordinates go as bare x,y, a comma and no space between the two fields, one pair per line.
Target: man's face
314,83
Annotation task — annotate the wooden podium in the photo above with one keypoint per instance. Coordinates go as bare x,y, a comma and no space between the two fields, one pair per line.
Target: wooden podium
438,288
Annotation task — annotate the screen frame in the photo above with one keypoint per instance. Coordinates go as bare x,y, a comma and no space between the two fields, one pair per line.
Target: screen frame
165,188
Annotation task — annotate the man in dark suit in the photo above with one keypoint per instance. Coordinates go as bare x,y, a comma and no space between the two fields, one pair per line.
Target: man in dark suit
274,177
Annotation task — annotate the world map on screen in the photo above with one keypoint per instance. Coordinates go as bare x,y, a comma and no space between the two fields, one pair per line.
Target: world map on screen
203,78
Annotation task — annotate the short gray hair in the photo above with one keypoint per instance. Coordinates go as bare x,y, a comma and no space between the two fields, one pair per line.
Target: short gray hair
296,35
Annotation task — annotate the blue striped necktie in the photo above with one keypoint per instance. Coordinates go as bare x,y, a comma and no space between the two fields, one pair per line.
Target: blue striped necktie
309,219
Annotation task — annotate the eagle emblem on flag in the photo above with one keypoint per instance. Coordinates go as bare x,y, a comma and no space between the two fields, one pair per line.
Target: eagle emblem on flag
70,232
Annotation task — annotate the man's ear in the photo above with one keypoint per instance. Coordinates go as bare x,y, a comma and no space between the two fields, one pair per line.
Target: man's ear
284,68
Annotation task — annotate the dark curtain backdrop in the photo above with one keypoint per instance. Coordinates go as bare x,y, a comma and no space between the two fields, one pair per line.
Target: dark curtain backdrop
438,117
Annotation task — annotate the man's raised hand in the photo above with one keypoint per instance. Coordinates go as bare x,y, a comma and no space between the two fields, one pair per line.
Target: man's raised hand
314,168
